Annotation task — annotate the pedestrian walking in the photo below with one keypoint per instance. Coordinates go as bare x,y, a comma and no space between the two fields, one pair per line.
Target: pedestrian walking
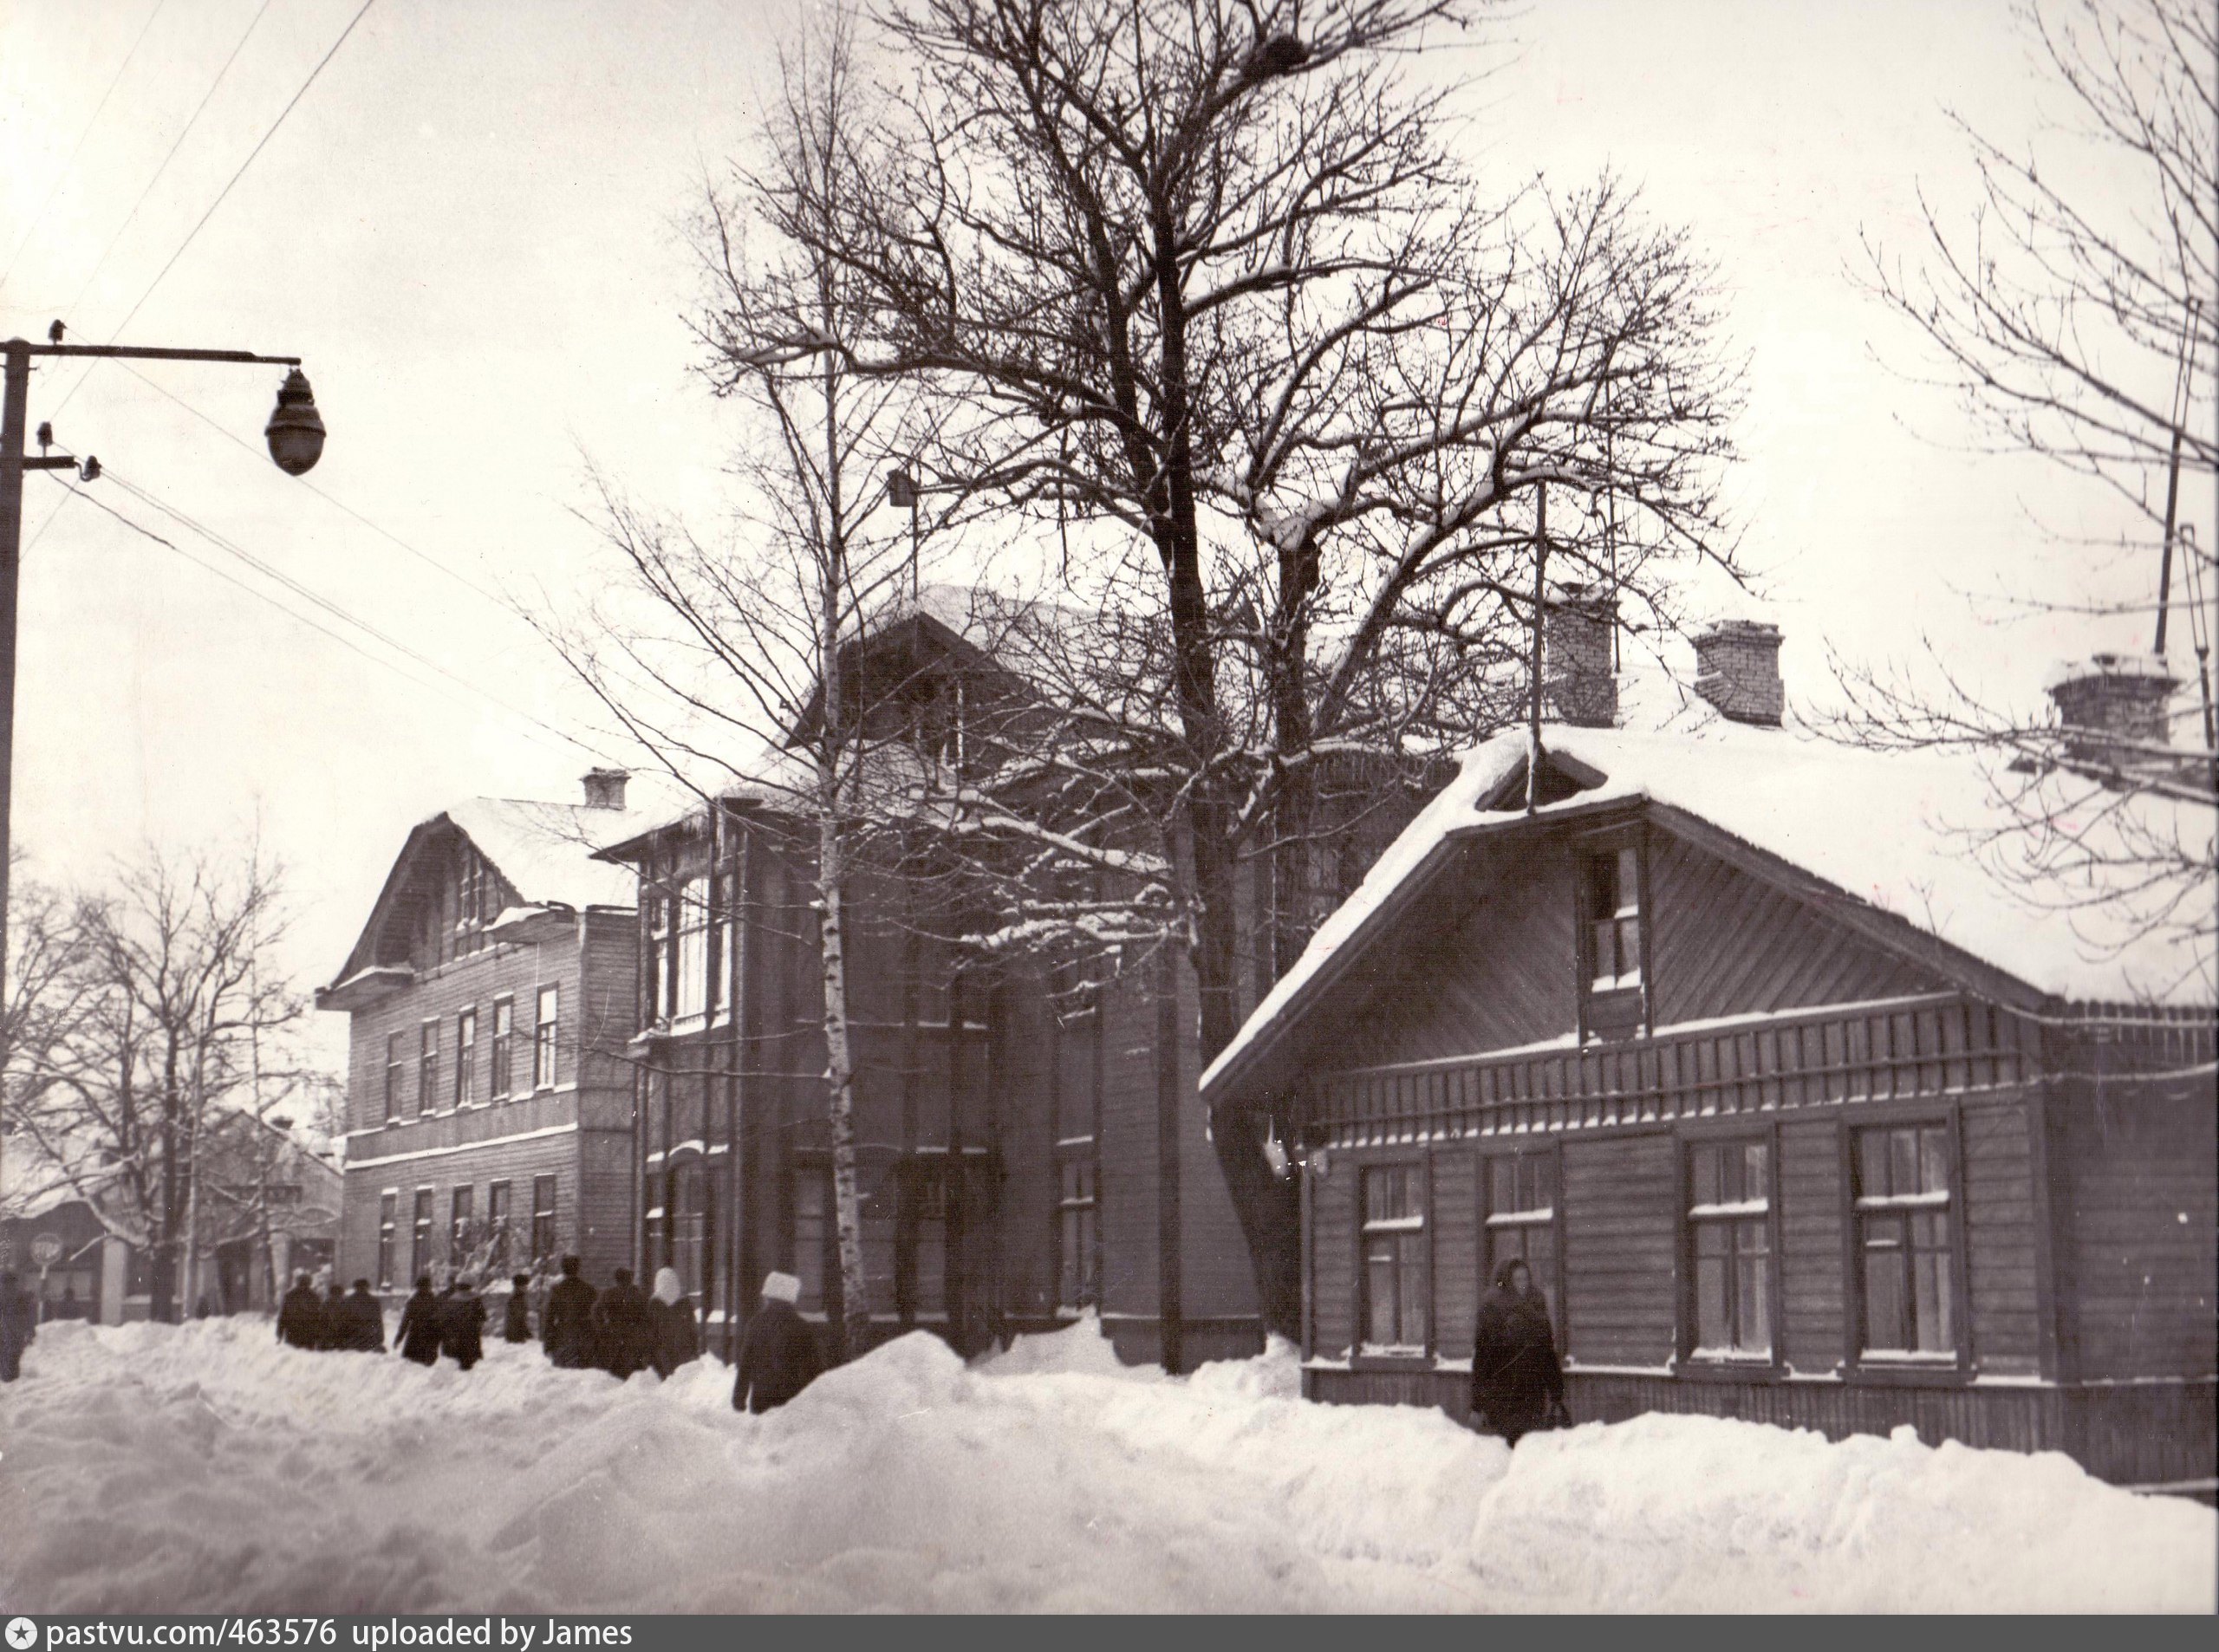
300,1316
778,1356
462,1324
361,1324
418,1338
623,1328
566,1323
676,1329
334,1316
515,1324
18,1326
1517,1384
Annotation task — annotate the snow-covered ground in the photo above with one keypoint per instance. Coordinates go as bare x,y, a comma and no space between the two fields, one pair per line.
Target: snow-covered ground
205,1468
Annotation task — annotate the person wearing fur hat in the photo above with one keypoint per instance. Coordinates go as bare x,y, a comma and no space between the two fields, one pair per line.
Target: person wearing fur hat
677,1332
778,1356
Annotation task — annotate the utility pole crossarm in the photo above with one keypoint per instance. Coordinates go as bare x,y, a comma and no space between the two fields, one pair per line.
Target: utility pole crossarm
132,353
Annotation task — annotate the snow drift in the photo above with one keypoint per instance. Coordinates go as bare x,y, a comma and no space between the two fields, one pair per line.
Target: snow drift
204,1467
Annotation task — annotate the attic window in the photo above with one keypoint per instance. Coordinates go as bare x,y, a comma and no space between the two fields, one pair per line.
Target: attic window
1612,943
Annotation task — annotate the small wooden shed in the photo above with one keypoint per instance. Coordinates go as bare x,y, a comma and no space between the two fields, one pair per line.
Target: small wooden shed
1802,1107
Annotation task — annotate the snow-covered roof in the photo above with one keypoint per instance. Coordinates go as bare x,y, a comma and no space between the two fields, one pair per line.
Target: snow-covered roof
546,850
1930,839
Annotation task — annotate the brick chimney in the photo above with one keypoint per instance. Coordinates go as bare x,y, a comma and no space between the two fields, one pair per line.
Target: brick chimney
1737,670
1576,674
605,787
2110,702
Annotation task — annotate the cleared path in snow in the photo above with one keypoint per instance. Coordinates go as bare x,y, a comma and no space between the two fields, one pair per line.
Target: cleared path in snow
205,1468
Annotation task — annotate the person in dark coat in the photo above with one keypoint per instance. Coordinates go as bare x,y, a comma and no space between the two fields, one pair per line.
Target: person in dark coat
359,1323
515,1324
18,1326
418,1338
462,1324
624,1330
334,1316
1517,1384
676,1329
777,1357
566,1323
300,1316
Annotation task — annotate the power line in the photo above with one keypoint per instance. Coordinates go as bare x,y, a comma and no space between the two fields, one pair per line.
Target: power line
63,177
186,132
335,610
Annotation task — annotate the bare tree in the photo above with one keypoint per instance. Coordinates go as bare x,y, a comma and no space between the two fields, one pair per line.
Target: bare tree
170,975
1205,273
2075,317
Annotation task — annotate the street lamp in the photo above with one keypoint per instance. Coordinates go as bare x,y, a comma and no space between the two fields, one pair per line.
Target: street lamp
295,437
903,493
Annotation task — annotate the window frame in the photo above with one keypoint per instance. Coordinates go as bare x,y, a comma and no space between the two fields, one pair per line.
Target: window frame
388,1233
1552,1154
466,1054
501,1061
546,1036
551,1185
420,1215
428,1065
1420,1167
1687,1141
499,1198
396,1066
462,1210
1904,1365
1612,842
690,938
723,903
1078,1213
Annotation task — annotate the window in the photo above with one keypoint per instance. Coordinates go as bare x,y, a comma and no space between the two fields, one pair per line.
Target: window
419,1235
542,1219
389,1216
459,1238
723,955
1521,1219
1729,1222
687,1207
466,1057
1609,965
660,958
1077,1229
474,901
1393,1256
1902,1186
496,1227
925,1214
504,1045
692,992
428,1067
543,1040
812,1232
395,1065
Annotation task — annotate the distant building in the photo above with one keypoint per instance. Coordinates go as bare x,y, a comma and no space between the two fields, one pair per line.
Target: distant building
489,1124
1796,1113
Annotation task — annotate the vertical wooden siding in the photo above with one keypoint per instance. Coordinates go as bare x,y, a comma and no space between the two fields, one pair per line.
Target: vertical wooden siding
1620,1233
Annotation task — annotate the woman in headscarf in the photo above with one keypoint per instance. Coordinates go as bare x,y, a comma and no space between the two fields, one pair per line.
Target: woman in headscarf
1517,1385
677,1332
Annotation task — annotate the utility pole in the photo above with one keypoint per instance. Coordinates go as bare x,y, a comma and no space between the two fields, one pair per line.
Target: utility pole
295,437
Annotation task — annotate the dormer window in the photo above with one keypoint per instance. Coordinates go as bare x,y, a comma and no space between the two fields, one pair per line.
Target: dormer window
1613,999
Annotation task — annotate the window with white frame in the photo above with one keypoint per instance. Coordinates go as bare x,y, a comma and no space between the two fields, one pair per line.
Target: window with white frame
544,1030
661,956
504,1047
419,1235
428,1067
1905,1255
389,1219
542,1221
724,927
692,996
466,1057
396,1067
1521,1219
1078,1229
1729,1239
1394,1257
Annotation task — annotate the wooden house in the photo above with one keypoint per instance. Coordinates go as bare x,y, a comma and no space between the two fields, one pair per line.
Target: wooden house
489,1108
1799,1108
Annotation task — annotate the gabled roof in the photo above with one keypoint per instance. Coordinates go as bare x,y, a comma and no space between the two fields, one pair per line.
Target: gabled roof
1918,841
546,852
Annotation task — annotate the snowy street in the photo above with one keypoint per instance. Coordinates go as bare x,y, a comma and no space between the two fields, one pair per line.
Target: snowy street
205,1468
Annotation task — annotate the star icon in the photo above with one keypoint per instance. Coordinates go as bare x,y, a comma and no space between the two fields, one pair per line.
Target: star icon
22,1634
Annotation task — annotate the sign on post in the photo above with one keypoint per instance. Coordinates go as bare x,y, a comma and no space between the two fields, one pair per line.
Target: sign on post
45,1251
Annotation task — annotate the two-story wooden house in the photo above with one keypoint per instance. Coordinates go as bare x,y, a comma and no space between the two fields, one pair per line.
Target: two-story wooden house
1809,1097
489,1116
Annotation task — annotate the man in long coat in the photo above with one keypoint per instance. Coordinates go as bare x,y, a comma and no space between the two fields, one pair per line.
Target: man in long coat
624,1331
566,1323
418,1337
301,1316
516,1321
462,1324
359,1324
1517,1385
334,1316
18,1326
778,1356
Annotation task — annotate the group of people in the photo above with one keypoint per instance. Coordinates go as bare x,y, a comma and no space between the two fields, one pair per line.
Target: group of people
620,1329
356,1321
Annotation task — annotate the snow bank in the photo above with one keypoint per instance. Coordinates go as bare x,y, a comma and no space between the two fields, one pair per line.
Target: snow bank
204,1467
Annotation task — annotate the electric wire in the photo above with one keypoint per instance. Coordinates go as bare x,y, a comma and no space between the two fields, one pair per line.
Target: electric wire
335,610
69,165
186,132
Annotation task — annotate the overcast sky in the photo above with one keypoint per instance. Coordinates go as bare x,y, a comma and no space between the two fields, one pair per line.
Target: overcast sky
469,227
